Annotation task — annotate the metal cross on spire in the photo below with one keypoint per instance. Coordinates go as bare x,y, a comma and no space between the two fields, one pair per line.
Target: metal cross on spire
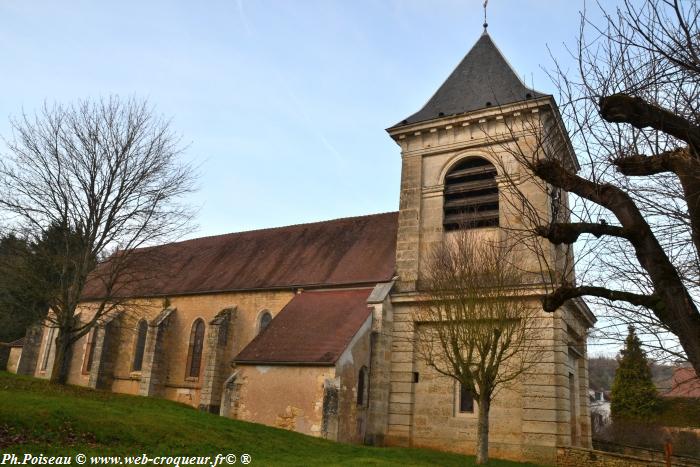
486,25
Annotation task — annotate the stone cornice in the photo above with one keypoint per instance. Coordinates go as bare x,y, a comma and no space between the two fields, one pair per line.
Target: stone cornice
479,116
402,133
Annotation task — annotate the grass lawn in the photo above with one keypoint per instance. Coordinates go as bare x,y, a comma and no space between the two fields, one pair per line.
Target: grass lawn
37,417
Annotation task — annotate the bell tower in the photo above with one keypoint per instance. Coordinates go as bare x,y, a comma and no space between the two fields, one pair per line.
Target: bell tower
462,160
455,150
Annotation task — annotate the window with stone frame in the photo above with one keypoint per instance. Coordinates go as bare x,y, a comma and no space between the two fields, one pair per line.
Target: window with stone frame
140,345
194,354
465,400
265,319
89,351
362,386
470,195
555,203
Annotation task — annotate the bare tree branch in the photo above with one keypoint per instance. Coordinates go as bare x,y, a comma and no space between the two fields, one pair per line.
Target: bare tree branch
103,178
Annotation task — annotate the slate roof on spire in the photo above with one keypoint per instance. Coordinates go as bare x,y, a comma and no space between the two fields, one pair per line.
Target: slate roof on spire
483,78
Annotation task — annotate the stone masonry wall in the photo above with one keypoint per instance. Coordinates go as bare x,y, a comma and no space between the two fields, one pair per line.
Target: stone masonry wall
535,416
380,373
577,457
29,359
173,382
352,417
285,397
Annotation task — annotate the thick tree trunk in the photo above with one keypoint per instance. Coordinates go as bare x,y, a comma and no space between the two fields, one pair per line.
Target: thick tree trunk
674,306
482,433
62,357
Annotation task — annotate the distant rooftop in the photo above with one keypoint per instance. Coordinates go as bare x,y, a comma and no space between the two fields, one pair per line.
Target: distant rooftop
482,79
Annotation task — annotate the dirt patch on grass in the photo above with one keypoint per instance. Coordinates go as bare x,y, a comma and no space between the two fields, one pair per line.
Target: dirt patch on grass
65,436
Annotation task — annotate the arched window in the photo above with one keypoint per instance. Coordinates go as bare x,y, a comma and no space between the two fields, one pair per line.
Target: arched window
89,351
265,319
194,356
362,386
141,332
471,195
47,348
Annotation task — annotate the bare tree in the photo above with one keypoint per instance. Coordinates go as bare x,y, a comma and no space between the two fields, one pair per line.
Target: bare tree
476,327
631,108
95,181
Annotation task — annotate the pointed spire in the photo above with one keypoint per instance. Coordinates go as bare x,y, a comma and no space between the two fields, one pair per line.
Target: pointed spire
482,79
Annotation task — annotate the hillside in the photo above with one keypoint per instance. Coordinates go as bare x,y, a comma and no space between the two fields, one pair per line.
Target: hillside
36,417
601,373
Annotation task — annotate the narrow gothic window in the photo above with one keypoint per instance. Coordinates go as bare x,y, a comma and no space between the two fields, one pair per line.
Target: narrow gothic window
471,195
362,386
89,351
142,331
194,356
47,349
265,319
466,400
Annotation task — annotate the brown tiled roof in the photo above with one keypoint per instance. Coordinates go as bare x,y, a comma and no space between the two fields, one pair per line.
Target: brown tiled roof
16,343
314,328
356,250
685,383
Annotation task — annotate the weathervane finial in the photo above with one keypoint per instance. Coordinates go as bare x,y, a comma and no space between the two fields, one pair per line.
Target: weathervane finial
486,25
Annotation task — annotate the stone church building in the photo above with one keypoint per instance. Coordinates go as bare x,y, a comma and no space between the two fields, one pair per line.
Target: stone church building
309,327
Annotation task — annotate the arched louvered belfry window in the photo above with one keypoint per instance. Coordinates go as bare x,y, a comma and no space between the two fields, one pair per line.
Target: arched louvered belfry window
194,355
139,348
471,195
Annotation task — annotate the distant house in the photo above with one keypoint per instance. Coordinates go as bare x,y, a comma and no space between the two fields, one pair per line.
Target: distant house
600,408
684,383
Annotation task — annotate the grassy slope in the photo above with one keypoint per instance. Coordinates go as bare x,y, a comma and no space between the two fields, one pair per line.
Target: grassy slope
36,417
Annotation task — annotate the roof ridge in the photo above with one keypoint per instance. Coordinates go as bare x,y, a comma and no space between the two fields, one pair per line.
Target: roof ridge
280,227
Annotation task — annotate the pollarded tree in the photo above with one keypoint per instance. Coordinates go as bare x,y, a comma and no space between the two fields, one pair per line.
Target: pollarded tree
97,180
633,395
631,108
474,328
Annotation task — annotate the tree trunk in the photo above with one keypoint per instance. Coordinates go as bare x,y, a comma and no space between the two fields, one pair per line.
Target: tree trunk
482,433
62,357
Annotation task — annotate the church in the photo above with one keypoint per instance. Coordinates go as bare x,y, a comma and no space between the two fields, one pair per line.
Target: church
309,327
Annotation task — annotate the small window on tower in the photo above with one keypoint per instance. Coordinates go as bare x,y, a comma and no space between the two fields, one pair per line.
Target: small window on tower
555,203
466,400
471,195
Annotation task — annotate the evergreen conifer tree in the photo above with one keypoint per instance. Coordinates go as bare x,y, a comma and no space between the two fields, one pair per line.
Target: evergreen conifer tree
633,392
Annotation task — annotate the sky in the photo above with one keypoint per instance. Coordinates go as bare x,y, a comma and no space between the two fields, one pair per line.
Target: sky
282,105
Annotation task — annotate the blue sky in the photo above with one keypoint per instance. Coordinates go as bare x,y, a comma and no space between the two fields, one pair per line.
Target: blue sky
283,104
